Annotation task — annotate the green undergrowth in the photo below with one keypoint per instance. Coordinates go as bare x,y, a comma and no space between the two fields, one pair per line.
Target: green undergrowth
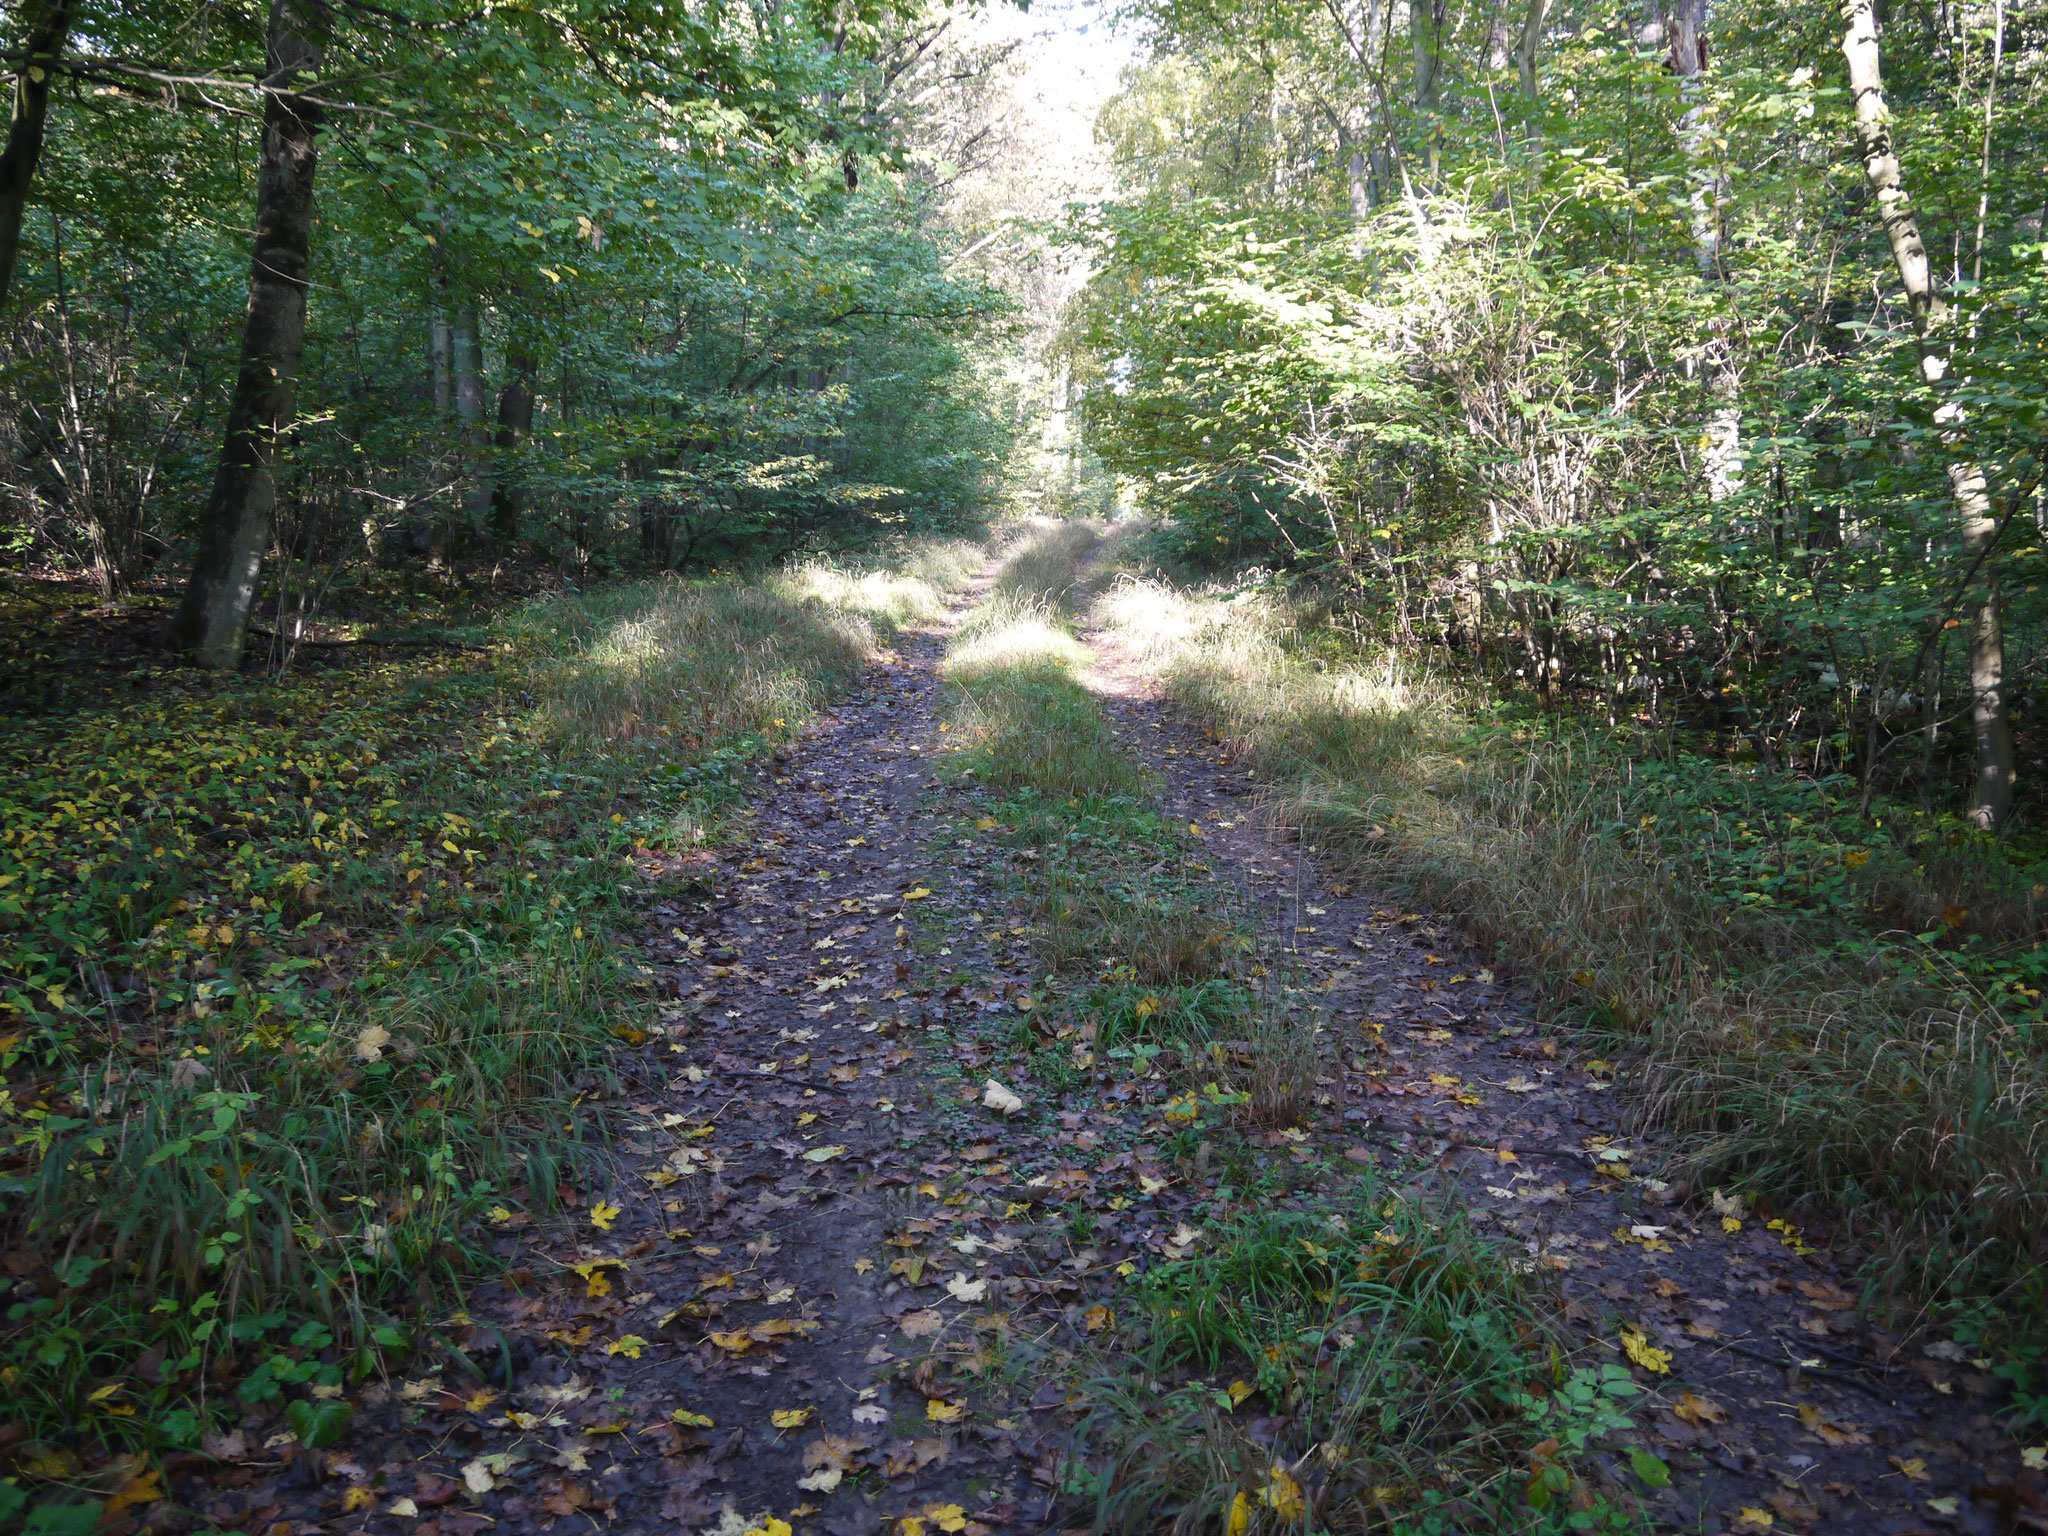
1825,1006
309,984
1356,1360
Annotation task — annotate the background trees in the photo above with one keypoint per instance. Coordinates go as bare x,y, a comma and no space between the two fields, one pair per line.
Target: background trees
595,285
1569,337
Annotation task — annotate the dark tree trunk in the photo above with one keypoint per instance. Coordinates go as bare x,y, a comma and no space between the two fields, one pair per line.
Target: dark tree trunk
47,35
212,621
515,422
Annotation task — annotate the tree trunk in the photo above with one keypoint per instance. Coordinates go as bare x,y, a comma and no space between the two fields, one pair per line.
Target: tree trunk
515,422
1531,41
212,621
46,38
1426,34
1992,784
1685,27
469,410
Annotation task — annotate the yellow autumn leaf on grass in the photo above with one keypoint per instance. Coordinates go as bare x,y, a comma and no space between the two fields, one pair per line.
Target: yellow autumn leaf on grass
1645,1354
789,1418
986,824
1239,1391
1284,1495
1240,1515
602,1216
910,1525
939,1412
947,1517
629,1346
917,894
690,1420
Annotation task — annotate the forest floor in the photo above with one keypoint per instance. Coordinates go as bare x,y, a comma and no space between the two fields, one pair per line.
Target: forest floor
832,1287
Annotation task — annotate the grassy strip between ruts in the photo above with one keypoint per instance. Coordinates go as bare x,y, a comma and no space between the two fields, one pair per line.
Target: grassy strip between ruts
306,984
1815,1000
1404,1368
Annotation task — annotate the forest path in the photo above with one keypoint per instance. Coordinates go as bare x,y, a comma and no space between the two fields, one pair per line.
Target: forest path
1773,1397
828,1288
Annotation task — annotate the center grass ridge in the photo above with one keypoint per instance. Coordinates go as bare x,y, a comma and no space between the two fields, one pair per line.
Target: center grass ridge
307,985
1732,930
1408,1363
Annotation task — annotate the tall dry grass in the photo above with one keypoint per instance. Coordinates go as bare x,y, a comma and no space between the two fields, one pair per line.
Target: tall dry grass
1792,1069
690,665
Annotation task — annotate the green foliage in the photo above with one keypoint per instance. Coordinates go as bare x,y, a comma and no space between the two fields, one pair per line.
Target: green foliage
1604,389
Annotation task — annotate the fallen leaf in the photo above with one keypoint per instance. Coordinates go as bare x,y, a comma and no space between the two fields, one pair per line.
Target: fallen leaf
824,1480
629,1345
1749,1519
1699,1410
1239,1391
602,1216
790,1418
143,1489
947,1517
1097,1318
1827,1430
1914,1470
1001,1099
1283,1494
938,1411
690,1420
405,1508
824,1154
370,1043
960,1288
1643,1353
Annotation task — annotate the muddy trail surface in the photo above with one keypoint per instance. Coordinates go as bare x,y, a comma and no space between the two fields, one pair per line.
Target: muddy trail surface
830,1288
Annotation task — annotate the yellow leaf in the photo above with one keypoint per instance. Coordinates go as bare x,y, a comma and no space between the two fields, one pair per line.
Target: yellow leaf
141,1489
736,1343
1240,1515
357,1498
917,894
602,1216
947,1517
1239,1391
986,824
824,1154
1749,1519
1095,1319
940,1412
690,1420
629,1346
1643,1353
789,1418
910,1525
1284,1495
774,1527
